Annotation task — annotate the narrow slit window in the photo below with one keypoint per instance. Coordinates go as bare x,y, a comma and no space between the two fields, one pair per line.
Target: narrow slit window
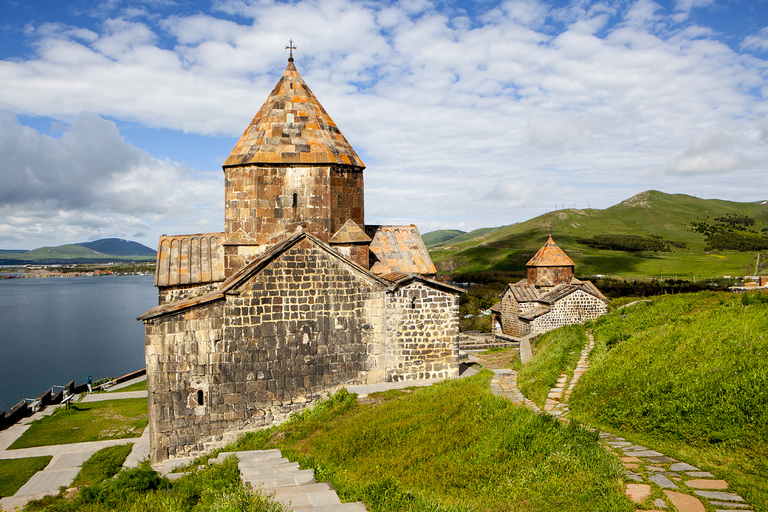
295,199
200,397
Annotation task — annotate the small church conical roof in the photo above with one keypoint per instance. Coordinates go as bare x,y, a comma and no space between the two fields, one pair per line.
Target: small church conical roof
550,255
292,127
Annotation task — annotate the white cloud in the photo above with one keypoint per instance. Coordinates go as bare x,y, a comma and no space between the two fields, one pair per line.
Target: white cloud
90,181
582,103
757,41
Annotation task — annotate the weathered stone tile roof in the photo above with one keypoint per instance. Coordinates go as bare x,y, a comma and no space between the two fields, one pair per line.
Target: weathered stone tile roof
524,292
292,127
349,233
190,259
550,255
496,308
399,249
255,266
590,288
536,312
564,290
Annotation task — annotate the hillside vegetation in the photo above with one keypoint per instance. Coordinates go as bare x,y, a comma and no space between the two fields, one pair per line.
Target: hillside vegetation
688,375
453,446
650,234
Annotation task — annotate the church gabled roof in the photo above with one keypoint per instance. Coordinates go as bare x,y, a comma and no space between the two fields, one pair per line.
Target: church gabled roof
292,127
550,256
399,249
349,233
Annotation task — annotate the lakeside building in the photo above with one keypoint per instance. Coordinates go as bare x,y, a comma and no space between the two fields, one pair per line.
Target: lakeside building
296,298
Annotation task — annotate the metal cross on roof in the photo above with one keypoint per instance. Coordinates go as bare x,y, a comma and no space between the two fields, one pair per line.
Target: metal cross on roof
291,48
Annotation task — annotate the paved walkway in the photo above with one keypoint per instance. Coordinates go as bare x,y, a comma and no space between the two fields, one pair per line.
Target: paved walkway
67,458
685,487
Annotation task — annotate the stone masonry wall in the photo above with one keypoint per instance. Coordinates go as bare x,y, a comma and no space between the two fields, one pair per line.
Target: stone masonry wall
557,275
178,351
511,325
423,328
269,203
168,294
575,308
305,325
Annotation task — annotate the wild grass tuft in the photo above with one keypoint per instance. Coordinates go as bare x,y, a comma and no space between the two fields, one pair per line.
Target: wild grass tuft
103,464
215,488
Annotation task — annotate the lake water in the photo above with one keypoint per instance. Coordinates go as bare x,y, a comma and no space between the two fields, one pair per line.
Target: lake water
53,330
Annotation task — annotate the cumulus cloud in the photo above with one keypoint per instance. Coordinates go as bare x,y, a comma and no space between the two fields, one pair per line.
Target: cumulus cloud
477,118
90,182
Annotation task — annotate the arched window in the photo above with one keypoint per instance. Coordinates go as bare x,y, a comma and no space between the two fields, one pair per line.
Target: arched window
200,397
295,199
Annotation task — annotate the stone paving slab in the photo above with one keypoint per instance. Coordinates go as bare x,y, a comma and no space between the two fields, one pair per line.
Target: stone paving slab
48,481
682,466
728,504
717,495
662,481
685,502
707,484
39,451
114,395
139,451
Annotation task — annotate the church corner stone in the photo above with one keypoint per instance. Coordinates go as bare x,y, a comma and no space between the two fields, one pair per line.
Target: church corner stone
293,300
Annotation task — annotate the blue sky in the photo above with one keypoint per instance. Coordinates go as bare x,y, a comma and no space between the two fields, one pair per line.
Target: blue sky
115,116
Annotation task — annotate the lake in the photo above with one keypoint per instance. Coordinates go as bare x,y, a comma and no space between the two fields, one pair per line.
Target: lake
53,330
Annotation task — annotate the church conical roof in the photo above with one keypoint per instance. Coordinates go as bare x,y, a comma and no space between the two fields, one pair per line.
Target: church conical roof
550,256
292,127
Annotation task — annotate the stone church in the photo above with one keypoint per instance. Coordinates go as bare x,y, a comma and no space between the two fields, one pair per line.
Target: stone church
548,298
296,298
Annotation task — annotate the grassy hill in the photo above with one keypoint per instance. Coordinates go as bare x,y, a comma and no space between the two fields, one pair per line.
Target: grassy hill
104,249
440,236
650,215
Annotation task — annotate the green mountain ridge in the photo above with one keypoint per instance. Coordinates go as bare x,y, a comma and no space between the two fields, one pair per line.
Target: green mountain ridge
104,249
649,214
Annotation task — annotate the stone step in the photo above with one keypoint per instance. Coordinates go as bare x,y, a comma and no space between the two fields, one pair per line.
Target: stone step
295,488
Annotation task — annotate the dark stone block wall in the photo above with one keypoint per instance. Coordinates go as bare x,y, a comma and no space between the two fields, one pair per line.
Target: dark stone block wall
425,325
306,324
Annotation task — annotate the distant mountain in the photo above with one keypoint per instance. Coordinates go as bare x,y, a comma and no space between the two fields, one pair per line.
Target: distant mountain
651,216
112,249
119,247
440,236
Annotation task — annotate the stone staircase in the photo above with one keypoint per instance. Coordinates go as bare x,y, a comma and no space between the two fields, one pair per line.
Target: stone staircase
295,488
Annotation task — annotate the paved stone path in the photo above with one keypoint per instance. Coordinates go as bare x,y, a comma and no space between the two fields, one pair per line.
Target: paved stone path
686,488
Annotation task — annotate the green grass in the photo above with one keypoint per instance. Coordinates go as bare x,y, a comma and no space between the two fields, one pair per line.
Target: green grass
15,472
137,386
651,213
103,464
89,421
454,446
556,352
687,375
214,488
